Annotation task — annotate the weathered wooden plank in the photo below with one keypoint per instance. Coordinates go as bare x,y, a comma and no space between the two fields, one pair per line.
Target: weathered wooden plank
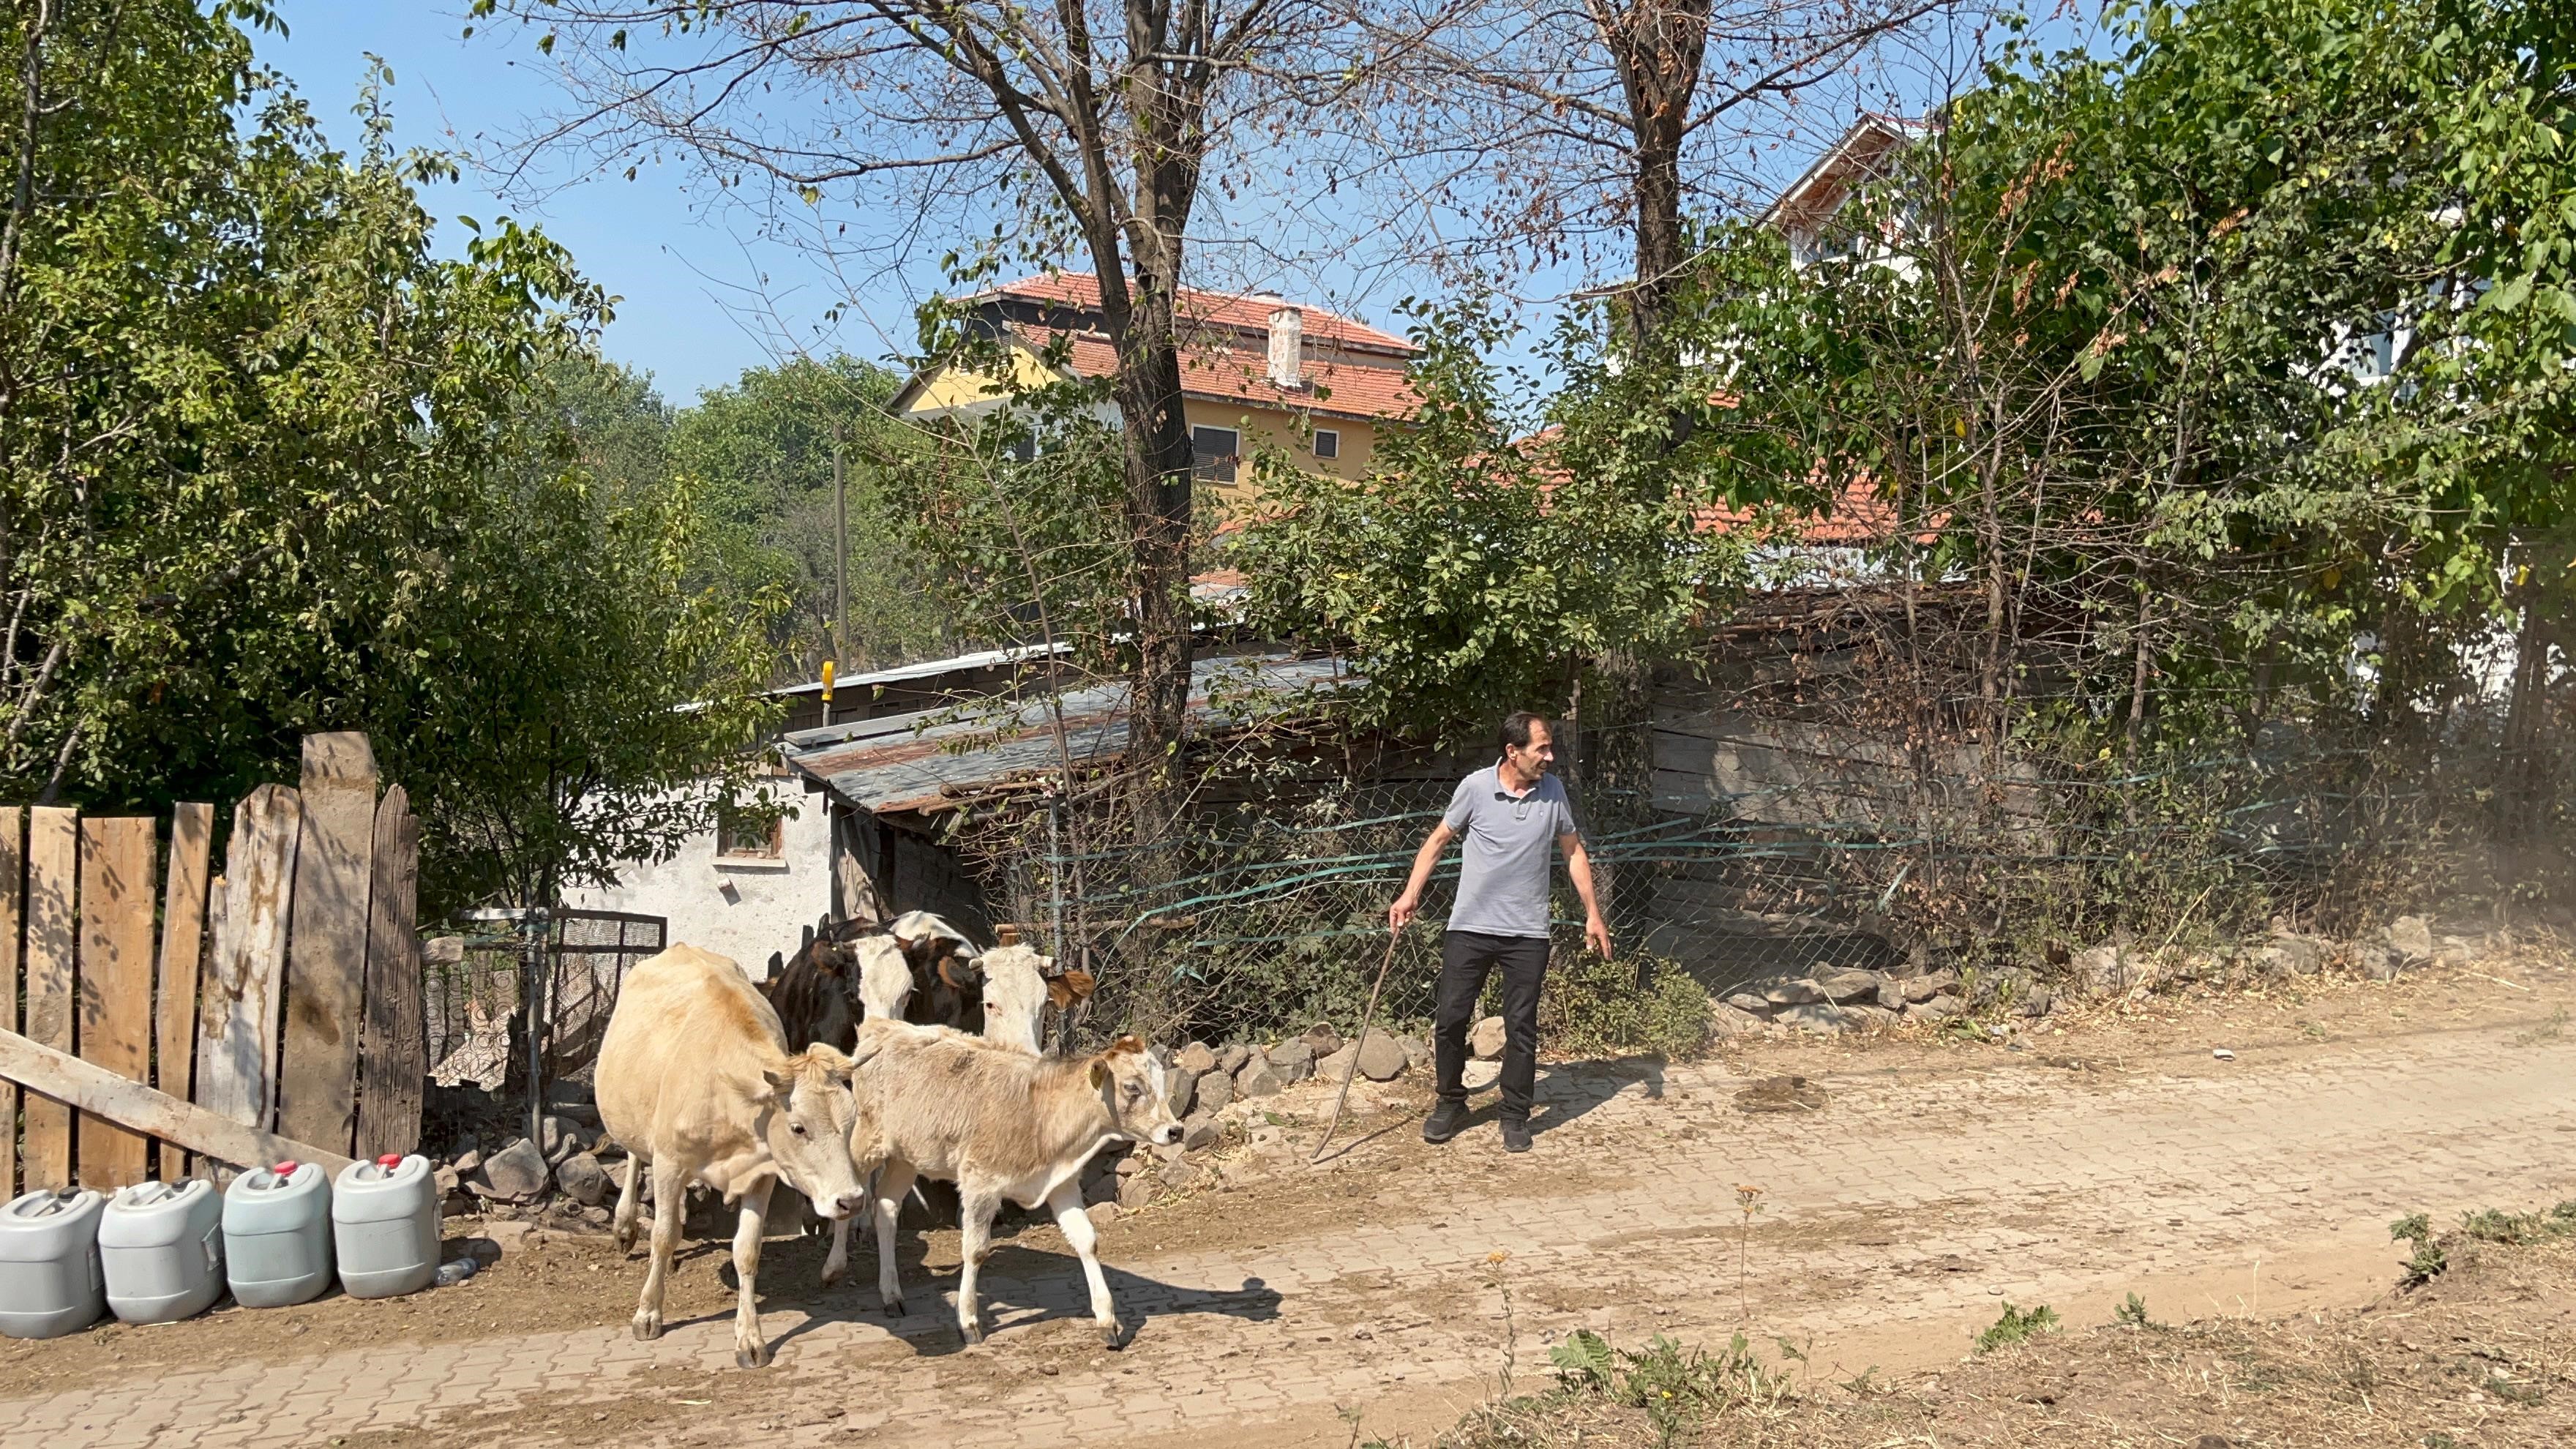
326,952
207,1005
183,936
53,865
98,1092
115,984
13,883
393,1056
237,1041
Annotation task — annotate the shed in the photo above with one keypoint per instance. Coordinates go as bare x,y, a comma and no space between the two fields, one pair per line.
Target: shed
890,779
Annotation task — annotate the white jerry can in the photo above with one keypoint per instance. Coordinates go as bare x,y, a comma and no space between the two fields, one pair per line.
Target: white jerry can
49,1276
161,1249
384,1216
277,1235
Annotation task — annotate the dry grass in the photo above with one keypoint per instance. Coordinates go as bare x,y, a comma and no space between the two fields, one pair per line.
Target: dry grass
2481,1356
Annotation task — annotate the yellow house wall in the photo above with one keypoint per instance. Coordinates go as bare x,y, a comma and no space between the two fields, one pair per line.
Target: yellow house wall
1287,432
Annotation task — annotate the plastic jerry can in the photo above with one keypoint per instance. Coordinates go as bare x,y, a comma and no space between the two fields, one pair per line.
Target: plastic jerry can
49,1277
384,1215
277,1234
161,1247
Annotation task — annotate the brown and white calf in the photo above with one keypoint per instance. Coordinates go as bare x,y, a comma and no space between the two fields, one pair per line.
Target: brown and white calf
1001,1123
917,967
695,1080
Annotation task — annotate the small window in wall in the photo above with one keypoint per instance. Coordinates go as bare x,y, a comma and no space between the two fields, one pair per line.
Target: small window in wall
1214,452
749,832
1328,443
1024,448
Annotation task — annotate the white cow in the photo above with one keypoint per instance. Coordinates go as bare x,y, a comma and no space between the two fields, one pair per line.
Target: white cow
694,1077
1001,1123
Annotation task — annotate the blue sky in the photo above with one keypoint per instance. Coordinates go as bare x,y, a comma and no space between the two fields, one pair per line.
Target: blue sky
702,295
692,283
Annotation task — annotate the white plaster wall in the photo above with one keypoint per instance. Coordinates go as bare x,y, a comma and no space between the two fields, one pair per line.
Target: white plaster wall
735,907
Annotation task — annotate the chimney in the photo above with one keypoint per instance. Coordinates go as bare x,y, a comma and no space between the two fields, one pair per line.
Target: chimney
1288,347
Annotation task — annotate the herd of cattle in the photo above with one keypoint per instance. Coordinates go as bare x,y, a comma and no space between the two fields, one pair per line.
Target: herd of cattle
697,1080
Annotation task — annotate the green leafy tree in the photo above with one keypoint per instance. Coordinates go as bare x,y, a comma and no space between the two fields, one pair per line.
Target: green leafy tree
761,453
269,465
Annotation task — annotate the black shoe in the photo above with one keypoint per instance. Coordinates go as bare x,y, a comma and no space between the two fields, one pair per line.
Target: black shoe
1444,1121
1515,1136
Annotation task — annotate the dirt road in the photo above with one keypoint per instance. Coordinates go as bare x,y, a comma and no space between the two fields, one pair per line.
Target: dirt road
1938,1180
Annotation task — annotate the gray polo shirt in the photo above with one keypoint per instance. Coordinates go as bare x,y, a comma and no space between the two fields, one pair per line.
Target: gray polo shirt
1502,884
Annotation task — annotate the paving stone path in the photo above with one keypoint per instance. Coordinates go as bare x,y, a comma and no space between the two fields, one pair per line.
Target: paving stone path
1916,1198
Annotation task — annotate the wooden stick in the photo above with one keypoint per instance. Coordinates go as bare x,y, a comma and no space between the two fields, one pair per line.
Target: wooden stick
1356,1043
102,1093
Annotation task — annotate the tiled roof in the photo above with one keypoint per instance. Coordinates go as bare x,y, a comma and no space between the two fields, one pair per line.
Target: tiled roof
1081,291
1229,374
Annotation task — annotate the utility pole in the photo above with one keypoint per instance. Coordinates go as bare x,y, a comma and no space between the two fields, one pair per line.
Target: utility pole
840,559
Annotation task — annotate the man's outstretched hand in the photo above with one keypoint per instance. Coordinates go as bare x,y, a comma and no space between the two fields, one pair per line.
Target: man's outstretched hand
1400,914
1597,932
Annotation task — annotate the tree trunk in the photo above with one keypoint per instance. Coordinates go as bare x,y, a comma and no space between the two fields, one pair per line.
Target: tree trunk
1657,47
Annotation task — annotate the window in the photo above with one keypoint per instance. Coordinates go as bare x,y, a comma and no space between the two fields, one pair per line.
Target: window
1213,452
1328,443
750,832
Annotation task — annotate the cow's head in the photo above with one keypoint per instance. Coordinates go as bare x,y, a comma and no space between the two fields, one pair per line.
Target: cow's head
805,1123
1137,1091
939,953
1019,984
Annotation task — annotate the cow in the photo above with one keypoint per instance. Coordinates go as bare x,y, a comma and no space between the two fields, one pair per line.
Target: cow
1000,1123
694,1077
1019,984
820,992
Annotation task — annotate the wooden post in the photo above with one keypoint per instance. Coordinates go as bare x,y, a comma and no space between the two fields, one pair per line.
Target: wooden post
115,984
53,865
393,1055
237,1046
183,935
13,881
326,963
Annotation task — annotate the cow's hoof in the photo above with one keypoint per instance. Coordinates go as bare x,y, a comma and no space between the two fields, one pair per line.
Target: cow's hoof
831,1277
1113,1336
626,1236
894,1308
974,1333
750,1356
648,1327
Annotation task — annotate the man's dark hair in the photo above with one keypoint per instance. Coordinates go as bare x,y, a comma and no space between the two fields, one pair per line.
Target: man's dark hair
1516,728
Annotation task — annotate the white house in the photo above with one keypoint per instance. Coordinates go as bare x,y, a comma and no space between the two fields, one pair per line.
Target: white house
757,883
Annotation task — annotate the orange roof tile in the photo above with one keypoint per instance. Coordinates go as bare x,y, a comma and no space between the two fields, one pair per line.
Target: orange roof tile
1081,292
1228,374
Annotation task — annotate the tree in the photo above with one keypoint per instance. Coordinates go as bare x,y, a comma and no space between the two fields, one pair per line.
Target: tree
1074,128
763,451
269,465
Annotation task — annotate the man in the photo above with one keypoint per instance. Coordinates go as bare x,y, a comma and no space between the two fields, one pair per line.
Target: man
1509,814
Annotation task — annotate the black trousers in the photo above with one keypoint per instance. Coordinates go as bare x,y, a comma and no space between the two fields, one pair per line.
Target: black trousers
1465,959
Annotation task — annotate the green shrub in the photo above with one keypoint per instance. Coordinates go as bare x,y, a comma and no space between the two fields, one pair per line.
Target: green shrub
1591,1008
2017,1326
1676,1386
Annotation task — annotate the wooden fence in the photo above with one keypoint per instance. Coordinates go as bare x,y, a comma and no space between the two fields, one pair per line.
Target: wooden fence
272,1010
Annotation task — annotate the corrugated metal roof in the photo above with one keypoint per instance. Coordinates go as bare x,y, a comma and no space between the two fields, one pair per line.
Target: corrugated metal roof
932,758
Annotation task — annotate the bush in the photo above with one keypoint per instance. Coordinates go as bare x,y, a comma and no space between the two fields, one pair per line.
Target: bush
1594,1008
2017,1326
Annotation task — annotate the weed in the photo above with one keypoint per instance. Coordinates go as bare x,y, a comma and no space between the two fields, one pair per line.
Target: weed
2428,1260
2511,1391
1591,1008
2016,1326
2133,1314
2514,1229
1677,1387
2547,1031
1748,1201
1865,1384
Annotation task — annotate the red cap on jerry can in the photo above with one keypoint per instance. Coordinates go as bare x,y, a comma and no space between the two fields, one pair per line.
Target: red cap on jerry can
285,1169
389,1161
